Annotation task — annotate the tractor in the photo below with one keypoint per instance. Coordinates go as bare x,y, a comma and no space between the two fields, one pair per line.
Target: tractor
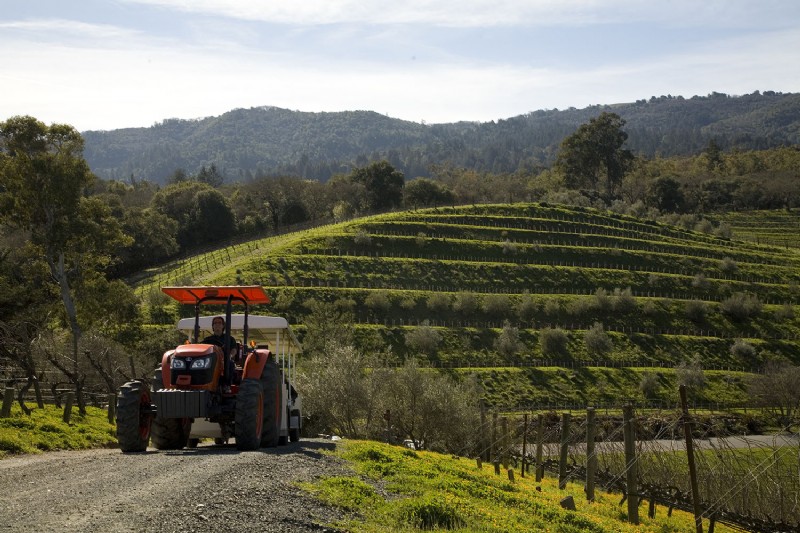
202,391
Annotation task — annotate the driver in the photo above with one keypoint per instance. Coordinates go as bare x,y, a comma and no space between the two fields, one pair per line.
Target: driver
218,338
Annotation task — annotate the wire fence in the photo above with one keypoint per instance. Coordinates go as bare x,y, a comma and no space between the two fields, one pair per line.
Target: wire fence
747,482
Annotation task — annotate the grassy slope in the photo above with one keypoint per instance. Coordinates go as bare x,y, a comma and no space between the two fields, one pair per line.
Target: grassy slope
552,259
44,430
397,489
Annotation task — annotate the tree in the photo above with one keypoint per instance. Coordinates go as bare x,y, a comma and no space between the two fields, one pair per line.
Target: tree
203,214
777,388
210,176
665,195
594,152
154,238
425,192
43,177
382,183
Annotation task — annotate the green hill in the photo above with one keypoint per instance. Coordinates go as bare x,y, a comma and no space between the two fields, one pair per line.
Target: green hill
531,285
267,140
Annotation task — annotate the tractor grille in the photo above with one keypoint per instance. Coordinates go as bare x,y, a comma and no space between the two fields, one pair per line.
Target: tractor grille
173,403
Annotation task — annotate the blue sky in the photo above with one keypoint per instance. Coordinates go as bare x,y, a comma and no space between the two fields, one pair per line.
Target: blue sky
130,63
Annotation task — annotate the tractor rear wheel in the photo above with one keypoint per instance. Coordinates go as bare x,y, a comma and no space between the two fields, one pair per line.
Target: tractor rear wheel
249,415
133,417
171,433
271,383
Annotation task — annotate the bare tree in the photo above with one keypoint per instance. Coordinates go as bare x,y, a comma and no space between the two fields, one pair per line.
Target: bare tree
15,347
777,389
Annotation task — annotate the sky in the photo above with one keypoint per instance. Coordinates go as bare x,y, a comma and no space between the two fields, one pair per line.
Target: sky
111,64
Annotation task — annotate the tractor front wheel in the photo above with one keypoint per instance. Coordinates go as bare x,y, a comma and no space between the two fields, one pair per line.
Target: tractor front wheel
133,417
249,415
171,433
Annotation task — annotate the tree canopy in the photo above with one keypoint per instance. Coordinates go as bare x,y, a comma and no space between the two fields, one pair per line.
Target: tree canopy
594,154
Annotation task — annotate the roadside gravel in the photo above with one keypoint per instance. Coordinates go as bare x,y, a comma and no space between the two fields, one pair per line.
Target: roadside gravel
210,488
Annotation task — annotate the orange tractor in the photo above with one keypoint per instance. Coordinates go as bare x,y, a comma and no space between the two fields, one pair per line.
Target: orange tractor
202,391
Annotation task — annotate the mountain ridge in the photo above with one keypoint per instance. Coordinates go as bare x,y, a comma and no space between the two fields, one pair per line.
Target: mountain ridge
268,140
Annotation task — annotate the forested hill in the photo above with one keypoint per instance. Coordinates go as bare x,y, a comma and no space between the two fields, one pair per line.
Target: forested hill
244,143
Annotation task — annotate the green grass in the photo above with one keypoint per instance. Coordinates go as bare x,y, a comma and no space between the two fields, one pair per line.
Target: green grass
44,430
400,490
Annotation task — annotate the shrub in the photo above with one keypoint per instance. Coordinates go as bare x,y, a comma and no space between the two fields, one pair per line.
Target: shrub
378,301
421,239
602,300
465,303
785,312
423,339
728,266
438,302
704,226
696,310
649,385
526,308
362,238
597,340
691,374
743,350
553,341
699,281
741,306
624,302
508,343
509,248
408,303
552,307
496,304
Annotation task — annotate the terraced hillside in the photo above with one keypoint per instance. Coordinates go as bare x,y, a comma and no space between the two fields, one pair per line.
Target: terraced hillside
779,227
532,285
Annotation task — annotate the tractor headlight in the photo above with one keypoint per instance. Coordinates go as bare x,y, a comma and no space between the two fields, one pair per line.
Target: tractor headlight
201,363
178,363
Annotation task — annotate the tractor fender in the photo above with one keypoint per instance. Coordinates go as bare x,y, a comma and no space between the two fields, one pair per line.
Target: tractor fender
254,364
166,369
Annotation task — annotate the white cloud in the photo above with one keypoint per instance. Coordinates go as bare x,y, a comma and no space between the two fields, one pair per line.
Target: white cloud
485,13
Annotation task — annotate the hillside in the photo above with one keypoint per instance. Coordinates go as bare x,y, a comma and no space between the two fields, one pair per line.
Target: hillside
533,285
267,140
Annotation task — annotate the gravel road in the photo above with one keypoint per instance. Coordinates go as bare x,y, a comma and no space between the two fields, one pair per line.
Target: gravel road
210,488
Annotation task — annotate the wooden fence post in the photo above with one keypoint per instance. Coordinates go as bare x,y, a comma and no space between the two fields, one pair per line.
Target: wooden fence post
631,471
504,442
591,458
524,442
493,445
8,400
112,407
687,431
68,407
564,455
539,438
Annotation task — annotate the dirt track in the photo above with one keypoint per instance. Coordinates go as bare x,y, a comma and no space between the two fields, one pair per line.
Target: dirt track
209,488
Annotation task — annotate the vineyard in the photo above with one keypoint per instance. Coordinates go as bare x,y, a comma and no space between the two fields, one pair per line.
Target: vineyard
498,289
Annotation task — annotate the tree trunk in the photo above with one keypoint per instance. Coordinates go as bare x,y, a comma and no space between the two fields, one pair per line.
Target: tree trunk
59,273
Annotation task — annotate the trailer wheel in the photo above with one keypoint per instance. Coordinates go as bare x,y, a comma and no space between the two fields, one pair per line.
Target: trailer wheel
249,415
133,417
171,433
270,381
193,443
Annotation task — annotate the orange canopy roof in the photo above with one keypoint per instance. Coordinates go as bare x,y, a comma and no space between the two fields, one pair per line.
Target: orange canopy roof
252,294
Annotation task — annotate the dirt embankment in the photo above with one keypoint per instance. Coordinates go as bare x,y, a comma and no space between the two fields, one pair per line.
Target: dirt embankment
209,488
